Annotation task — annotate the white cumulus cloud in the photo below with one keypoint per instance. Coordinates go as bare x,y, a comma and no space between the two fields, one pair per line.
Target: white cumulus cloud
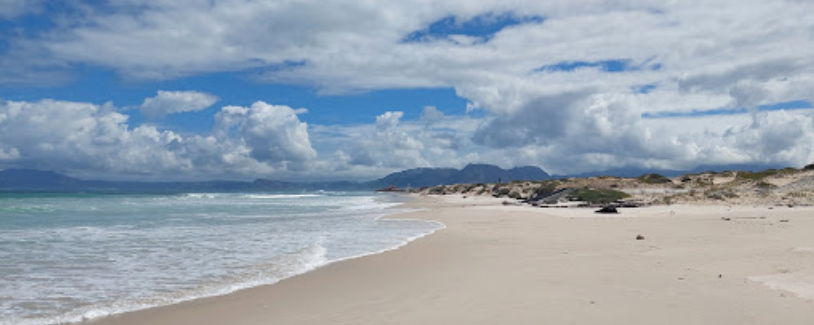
273,133
172,102
85,138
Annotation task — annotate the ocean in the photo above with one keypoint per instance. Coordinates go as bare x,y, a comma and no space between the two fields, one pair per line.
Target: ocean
72,257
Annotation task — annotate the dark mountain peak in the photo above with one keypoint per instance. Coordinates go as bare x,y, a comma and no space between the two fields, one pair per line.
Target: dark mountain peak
480,173
417,171
472,173
417,177
531,172
34,178
261,181
480,166
526,168
37,180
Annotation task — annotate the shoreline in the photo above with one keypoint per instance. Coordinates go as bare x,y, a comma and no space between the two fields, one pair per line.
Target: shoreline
411,202
100,313
494,263
94,316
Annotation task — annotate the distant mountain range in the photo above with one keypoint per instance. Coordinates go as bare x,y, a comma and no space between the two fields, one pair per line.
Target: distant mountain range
37,180
472,173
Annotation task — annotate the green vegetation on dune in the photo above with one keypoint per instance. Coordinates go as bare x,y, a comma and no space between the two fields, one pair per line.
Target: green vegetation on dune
756,176
653,179
597,196
546,188
765,185
721,194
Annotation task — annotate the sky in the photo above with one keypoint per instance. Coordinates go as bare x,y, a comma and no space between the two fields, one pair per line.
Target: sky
341,89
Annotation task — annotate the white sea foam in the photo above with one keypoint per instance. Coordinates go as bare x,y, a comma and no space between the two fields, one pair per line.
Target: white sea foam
280,196
135,253
283,267
201,195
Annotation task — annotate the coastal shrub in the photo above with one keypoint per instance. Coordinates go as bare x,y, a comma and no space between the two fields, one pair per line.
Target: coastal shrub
765,185
503,191
515,195
686,179
756,176
481,191
597,196
440,190
787,171
726,174
653,179
809,167
721,194
545,189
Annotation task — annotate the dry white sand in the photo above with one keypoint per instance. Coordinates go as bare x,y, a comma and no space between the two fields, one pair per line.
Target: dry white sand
517,265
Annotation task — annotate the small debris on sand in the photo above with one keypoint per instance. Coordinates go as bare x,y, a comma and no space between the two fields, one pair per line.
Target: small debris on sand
607,209
639,237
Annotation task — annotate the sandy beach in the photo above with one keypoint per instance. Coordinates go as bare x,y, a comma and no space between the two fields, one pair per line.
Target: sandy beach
496,264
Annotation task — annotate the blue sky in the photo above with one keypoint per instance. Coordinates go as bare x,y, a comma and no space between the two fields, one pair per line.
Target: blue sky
238,89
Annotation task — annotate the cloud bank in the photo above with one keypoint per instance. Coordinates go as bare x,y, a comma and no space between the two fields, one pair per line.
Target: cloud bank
567,85
85,138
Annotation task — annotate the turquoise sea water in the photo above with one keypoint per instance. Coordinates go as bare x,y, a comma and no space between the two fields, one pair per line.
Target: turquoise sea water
69,257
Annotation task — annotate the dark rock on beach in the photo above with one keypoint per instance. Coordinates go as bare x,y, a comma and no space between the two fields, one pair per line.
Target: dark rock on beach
607,209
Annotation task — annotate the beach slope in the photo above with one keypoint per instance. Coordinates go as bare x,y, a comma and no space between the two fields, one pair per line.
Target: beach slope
517,265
